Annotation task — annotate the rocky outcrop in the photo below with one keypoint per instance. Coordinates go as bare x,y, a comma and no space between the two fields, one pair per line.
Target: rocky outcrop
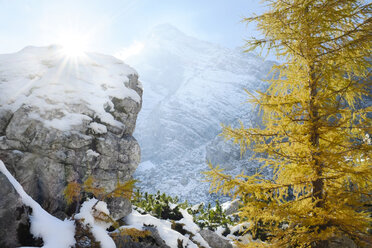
153,240
214,240
66,124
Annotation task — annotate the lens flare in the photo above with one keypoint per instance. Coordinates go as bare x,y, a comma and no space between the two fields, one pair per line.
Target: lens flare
73,45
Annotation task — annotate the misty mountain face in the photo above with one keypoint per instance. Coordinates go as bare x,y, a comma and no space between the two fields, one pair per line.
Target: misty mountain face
191,87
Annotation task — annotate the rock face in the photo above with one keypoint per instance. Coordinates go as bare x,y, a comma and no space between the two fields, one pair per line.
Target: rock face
343,242
191,87
214,240
152,241
11,218
63,119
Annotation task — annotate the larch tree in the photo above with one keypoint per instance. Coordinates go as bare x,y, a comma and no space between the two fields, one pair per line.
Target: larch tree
315,134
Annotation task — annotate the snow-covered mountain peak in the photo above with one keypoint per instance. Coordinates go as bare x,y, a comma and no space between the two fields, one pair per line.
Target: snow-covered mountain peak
168,40
166,31
190,88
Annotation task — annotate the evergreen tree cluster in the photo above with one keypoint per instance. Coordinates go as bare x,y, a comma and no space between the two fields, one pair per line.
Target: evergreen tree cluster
166,207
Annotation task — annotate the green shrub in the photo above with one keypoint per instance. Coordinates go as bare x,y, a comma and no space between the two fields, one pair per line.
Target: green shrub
167,207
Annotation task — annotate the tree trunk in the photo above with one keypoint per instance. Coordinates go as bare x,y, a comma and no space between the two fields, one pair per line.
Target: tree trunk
318,183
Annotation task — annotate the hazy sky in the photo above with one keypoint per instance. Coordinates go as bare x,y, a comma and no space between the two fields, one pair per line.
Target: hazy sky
110,25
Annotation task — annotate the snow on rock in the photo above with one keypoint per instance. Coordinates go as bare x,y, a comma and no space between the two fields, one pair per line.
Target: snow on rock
97,228
190,226
45,78
200,240
231,207
188,221
170,236
54,232
92,153
66,118
97,128
193,237
239,228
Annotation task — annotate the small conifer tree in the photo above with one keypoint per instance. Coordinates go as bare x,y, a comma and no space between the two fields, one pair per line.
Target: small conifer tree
316,131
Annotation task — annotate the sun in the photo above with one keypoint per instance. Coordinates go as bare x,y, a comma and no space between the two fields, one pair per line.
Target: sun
73,44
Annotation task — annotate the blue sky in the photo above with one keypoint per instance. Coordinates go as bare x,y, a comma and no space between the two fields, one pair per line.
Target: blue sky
115,24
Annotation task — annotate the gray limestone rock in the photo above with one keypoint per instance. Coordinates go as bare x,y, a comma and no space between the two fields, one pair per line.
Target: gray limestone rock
233,207
119,207
45,158
9,203
156,236
152,241
343,242
14,225
50,158
214,240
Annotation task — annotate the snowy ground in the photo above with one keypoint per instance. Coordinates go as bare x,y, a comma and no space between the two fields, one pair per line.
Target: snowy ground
56,233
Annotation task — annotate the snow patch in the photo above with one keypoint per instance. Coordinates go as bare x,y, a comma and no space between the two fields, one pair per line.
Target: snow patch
198,238
98,228
97,128
188,221
137,220
54,232
91,153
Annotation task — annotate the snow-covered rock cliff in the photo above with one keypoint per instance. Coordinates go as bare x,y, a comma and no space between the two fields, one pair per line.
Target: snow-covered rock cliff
65,118
190,88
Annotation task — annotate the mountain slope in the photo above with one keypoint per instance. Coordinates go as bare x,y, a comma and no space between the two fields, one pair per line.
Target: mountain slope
190,88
